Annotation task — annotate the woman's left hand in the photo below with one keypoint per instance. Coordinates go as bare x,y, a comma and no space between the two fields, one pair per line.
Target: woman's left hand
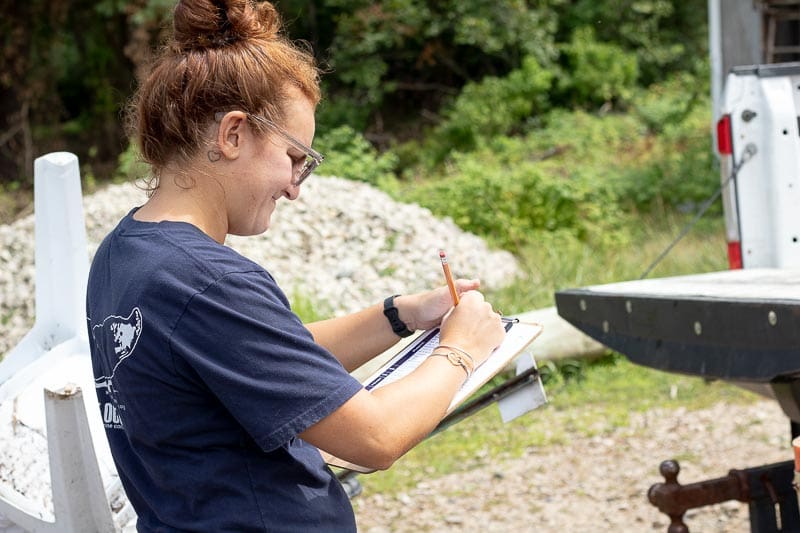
425,310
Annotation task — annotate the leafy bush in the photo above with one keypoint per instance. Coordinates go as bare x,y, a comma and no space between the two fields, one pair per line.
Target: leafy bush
495,106
597,144
665,35
427,49
349,155
492,107
510,201
668,103
597,73
679,170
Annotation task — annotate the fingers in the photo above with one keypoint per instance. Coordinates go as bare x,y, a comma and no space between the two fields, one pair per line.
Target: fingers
474,323
464,285
476,298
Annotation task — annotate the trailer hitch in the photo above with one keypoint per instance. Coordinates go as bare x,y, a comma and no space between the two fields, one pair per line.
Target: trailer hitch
767,489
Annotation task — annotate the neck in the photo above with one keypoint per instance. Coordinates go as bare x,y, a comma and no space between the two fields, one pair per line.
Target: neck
181,198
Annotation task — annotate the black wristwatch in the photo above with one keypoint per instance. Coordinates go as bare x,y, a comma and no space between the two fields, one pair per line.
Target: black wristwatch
398,326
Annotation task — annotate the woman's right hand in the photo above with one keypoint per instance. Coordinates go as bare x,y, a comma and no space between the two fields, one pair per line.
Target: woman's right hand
359,431
473,326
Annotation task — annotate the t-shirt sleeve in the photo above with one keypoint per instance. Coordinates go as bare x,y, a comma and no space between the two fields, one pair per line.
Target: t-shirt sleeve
242,340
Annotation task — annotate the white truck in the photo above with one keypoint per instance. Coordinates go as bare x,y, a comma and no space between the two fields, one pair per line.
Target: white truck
741,325
759,151
755,102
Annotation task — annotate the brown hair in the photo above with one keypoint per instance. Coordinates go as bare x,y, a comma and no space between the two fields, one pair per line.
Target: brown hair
222,55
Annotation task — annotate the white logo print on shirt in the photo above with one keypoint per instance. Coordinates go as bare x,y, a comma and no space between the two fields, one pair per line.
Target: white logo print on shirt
124,333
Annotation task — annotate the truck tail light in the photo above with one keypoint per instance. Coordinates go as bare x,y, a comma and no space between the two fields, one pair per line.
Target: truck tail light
729,203
724,141
735,255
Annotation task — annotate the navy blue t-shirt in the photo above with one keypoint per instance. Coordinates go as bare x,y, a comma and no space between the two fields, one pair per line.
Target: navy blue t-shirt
204,378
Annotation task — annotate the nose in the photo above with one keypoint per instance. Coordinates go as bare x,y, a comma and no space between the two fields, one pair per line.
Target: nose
292,192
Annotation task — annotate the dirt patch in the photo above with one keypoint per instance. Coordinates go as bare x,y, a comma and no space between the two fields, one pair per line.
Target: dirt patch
594,484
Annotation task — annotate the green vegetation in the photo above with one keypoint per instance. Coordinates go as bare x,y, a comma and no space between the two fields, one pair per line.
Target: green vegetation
306,308
349,155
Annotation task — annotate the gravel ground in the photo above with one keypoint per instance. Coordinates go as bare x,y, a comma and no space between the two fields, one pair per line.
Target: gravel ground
594,484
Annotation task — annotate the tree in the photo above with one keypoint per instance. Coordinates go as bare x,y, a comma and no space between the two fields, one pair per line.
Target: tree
665,35
26,88
398,60
66,70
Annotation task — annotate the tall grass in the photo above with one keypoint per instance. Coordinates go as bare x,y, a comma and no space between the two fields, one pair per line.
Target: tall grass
554,264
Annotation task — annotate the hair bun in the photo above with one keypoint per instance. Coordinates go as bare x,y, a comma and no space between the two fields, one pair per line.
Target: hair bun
200,24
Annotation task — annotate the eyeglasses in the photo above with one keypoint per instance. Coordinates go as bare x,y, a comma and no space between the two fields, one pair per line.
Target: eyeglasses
313,158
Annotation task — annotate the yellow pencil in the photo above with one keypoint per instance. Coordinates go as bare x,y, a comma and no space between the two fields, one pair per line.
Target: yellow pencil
448,276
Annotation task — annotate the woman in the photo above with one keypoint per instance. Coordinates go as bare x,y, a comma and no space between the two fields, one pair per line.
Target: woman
217,399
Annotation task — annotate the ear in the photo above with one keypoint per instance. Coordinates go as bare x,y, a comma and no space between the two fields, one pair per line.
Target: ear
230,134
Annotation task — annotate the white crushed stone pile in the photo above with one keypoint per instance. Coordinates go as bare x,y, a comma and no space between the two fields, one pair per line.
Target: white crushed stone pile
342,243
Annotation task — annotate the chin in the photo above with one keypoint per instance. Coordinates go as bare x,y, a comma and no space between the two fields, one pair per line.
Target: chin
263,226
252,230
256,231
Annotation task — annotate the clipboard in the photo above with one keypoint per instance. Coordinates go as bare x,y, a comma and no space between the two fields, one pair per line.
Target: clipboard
519,335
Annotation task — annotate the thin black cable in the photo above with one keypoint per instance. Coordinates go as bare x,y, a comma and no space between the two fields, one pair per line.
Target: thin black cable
749,151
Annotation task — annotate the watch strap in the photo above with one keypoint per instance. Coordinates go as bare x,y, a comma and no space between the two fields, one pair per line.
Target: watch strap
391,313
